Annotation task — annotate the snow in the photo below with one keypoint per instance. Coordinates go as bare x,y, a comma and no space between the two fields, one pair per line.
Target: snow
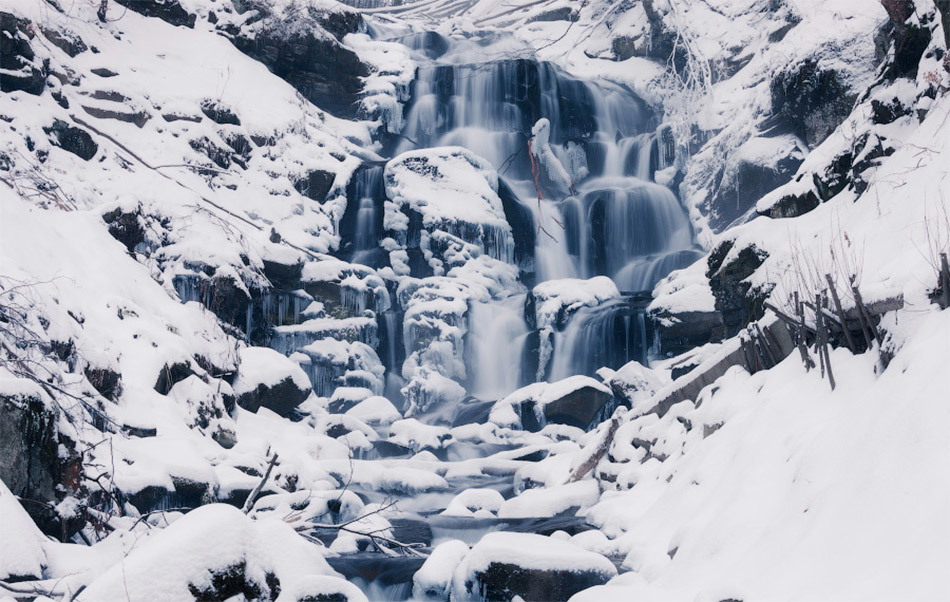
475,502
375,410
165,564
434,578
22,554
551,501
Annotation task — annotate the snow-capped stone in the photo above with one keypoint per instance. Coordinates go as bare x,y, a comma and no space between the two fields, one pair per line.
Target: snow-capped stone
504,565
268,379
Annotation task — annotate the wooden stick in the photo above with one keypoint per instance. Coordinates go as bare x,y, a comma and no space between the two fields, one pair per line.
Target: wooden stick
841,318
945,280
867,316
819,326
249,503
824,347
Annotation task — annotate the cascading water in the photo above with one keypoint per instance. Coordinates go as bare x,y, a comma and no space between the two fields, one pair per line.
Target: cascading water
620,222
497,334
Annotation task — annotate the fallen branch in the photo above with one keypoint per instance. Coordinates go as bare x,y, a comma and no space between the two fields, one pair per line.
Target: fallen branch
249,503
601,450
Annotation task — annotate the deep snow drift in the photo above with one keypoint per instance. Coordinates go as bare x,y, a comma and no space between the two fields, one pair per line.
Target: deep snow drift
474,300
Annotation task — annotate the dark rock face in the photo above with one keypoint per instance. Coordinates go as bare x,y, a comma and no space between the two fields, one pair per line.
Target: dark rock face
678,333
169,11
522,229
233,581
564,13
735,299
67,41
218,113
316,185
809,102
793,205
17,59
283,398
750,182
72,139
581,407
318,66
501,581
30,464
169,376
125,228
107,382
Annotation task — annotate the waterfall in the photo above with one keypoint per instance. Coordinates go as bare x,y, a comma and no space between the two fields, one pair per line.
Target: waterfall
616,220
610,334
497,336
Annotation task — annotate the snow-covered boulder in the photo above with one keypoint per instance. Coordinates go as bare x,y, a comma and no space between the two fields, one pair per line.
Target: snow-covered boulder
475,502
504,565
215,552
635,383
433,581
319,588
22,555
578,401
449,190
268,379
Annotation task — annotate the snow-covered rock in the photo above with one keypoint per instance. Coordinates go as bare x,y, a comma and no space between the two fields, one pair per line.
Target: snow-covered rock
504,565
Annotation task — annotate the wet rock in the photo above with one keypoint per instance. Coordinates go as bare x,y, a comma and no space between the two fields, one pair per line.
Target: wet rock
564,13
17,59
138,118
682,331
282,398
634,383
341,22
761,165
29,459
793,205
170,11
267,379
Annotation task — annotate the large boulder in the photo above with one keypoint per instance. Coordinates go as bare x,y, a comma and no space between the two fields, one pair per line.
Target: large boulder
31,464
267,379
579,401
213,553
504,565
295,47
21,70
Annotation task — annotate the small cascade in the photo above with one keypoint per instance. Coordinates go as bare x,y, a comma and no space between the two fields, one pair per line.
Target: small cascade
498,334
610,334
361,227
